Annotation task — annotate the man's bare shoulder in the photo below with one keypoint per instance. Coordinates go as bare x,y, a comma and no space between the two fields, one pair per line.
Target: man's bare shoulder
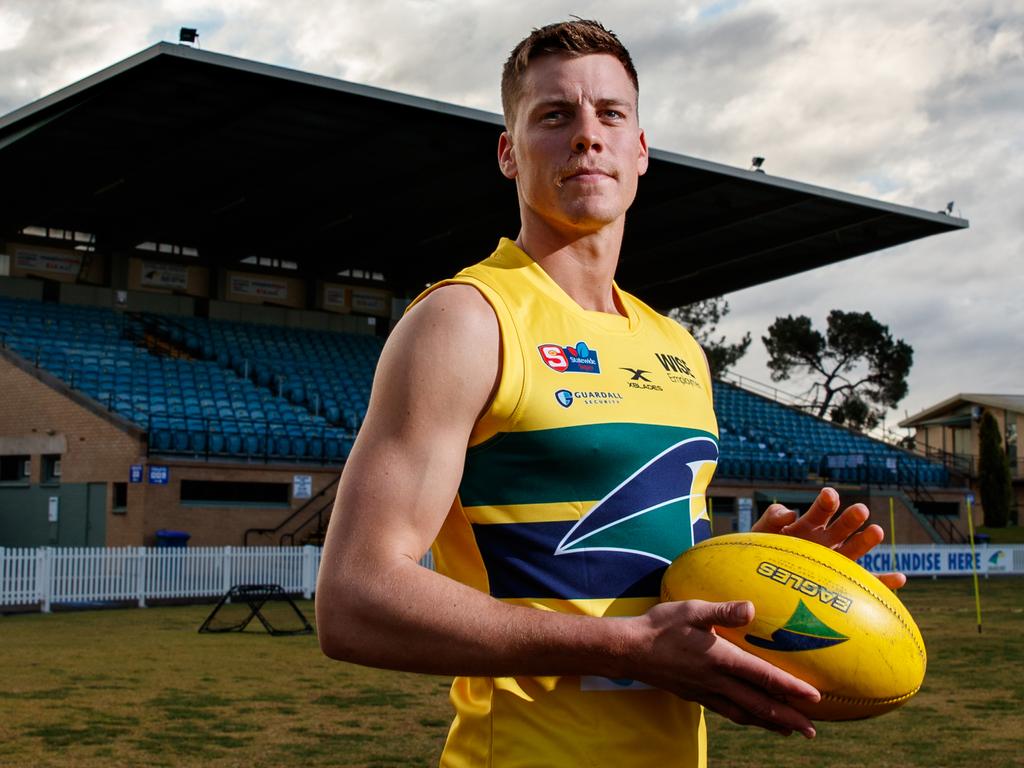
454,306
444,355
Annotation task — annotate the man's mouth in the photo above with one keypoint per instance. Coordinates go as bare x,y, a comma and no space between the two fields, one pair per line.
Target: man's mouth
586,175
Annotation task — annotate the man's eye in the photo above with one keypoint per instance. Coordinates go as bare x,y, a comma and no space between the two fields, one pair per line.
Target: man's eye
614,114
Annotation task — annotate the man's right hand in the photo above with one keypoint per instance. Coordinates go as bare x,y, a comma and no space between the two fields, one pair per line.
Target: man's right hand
681,653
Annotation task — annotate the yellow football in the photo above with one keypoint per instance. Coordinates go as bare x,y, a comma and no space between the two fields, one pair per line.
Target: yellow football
818,615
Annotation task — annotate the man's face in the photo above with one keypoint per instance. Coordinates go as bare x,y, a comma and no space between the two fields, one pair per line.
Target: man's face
576,149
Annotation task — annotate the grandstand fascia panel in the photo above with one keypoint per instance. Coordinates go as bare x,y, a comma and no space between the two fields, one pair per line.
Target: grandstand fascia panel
257,128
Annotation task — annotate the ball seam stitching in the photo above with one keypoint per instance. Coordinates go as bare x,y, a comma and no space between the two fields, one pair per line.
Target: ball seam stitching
851,700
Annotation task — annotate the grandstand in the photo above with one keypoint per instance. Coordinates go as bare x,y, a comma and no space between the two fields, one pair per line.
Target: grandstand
200,360
202,388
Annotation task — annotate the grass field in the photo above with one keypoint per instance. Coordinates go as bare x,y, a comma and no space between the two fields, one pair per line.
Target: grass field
141,687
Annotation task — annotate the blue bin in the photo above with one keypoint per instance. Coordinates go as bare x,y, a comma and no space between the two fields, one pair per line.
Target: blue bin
166,538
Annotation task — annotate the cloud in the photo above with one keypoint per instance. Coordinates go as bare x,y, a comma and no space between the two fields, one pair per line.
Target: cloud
916,102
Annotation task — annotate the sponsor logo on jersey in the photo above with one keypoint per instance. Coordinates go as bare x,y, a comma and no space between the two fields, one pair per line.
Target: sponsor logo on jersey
803,632
638,380
571,359
805,586
567,397
677,369
650,513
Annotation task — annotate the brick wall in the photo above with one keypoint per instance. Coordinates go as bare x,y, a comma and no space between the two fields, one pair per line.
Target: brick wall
38,413
224,524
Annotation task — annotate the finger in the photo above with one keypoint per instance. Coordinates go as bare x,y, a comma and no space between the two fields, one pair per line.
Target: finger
705,615
820,512
762,708
738,715
846,525
858,545
893,580
774,519
763,676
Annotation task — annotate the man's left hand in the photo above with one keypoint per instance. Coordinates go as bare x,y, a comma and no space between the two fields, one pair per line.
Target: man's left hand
843,535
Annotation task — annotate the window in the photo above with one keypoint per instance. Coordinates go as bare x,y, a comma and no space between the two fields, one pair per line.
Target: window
83,241
267,261
51,469
363,274
227,493
171,248
15,469
120,504
1011,443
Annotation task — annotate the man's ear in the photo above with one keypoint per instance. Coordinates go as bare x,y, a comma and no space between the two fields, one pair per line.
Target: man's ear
644,156
507,156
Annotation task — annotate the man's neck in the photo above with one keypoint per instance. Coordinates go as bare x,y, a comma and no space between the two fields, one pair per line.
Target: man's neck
583,265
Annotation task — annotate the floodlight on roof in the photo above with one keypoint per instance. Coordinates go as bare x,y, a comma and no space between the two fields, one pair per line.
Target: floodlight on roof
755,164
188,35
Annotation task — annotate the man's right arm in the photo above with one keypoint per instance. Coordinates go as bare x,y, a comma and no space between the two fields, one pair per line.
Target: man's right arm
377,606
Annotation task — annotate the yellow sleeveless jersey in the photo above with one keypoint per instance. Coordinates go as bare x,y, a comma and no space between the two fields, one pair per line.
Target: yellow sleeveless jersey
583,481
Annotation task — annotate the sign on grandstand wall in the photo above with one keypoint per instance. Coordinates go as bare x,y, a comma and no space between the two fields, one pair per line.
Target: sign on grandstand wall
251,286
47,262
156,274
368,301
335,298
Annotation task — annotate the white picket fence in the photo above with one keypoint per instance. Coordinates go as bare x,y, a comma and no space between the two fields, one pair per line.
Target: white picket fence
81,575
48,576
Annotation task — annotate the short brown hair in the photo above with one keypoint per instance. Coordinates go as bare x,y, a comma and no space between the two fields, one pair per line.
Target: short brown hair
579,37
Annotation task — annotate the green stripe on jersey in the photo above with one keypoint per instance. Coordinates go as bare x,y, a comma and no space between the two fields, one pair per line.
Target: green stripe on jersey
582,463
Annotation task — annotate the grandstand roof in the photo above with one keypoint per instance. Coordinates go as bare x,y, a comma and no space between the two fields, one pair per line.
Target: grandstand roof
239,158
936,414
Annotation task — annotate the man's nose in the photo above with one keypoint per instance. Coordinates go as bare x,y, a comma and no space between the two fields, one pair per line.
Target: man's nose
587,136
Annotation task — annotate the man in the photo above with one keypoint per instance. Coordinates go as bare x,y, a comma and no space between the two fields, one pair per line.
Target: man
503,425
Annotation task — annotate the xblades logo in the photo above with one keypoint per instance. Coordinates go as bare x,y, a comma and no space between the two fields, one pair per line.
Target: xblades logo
640,375
803,632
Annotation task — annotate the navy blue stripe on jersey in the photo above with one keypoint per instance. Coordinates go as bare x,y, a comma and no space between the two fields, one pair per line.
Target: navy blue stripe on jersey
521,563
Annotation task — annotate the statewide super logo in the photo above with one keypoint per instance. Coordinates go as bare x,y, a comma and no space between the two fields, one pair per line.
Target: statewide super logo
572,359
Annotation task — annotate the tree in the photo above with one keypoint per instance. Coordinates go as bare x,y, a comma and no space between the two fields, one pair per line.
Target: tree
994,482
701,319
861,370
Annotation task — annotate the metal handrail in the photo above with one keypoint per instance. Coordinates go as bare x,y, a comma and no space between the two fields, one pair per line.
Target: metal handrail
292,516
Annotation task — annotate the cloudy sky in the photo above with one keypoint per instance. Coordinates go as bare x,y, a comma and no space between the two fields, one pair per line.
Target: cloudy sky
917,102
